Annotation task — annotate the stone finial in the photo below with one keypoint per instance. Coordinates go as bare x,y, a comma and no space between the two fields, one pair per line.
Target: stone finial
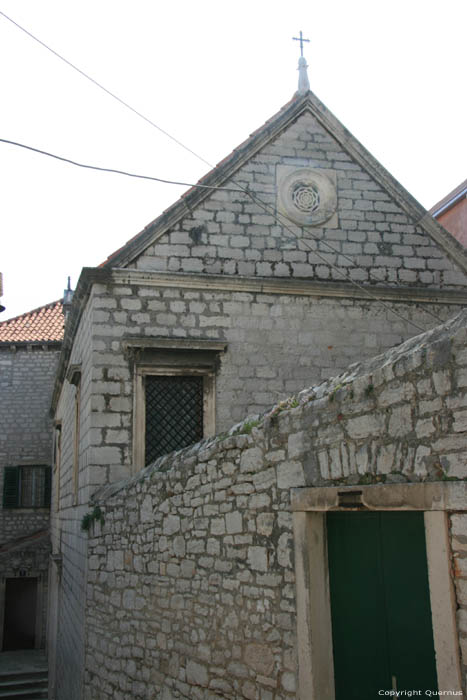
303,82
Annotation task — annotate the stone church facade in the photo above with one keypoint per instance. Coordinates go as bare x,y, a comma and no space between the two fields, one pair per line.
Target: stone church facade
297,256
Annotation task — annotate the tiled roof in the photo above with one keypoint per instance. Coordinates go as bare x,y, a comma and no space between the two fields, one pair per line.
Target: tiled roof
44,324
449,199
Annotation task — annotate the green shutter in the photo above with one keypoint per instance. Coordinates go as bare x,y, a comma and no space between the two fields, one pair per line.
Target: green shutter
47,486
10,487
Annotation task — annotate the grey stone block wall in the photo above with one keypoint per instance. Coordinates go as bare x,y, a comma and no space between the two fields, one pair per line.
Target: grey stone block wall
277,340
191,584
375,241
277,343
27,376
67,648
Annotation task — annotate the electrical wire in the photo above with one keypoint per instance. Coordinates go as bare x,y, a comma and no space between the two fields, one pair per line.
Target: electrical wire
99,85
263,206
114,170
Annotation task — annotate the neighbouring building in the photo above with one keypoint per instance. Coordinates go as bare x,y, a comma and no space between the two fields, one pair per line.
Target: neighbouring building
29,352
451,212
173,577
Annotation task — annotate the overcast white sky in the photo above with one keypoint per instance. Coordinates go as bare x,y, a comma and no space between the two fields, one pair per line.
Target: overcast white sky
209,72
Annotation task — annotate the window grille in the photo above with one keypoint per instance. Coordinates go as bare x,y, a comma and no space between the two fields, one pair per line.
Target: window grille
26,487
174,413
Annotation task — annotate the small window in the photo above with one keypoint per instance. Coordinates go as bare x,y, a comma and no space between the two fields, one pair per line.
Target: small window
174,413
174,394
26,487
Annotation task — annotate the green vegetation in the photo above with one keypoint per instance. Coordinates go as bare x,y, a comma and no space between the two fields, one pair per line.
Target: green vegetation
90,518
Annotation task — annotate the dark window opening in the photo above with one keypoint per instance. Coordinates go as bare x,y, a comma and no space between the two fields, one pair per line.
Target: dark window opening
26,487
20,614
174,414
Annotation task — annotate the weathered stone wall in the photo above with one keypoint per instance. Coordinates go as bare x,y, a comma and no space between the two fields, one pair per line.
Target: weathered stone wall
26,382
27,376
276,344
66,644
191,582
227,271
374,242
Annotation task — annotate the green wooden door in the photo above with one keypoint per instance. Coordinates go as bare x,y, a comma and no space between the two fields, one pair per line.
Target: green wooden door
380,604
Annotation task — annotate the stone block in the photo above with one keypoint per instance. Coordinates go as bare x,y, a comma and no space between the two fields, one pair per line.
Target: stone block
420,460
290,475
460,421
455,464
298,444
260,658
171,524
218,526
233,522
365,426
251,460
400,421
258,558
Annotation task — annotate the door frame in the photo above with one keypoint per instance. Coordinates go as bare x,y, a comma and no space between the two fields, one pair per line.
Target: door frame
314,632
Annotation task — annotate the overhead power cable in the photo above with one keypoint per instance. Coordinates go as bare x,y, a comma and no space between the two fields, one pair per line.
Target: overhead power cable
265,207
109,92
114,170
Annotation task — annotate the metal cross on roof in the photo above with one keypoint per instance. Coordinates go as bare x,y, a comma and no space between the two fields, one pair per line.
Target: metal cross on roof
301,40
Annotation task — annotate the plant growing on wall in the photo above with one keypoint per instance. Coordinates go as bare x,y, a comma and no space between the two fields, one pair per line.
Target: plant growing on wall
94,516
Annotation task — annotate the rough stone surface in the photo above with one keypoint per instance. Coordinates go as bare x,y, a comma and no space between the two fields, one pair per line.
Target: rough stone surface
209,609
186,553
26,380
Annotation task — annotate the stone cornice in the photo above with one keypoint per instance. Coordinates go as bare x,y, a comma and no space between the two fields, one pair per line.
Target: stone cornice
89,275
297,287
284,286
173,344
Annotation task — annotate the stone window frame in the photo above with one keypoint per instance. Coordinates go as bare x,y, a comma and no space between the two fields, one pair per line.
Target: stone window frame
74,378
171,357
314,631
57,461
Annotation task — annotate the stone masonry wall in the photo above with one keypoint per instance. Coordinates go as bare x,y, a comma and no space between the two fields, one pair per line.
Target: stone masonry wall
67,539
191,582
374,241
26,382
276,344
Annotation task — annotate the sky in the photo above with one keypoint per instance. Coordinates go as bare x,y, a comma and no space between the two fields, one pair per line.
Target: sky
208,72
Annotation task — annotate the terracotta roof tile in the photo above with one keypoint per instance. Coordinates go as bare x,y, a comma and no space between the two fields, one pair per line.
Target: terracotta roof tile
43,324
446,201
